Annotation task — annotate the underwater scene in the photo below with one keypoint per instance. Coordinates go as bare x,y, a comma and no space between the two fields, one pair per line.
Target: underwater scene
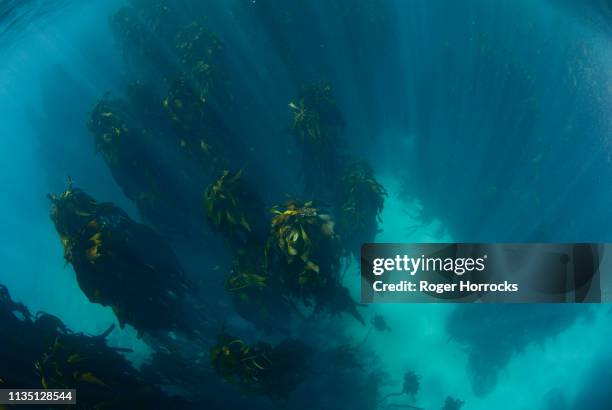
187,185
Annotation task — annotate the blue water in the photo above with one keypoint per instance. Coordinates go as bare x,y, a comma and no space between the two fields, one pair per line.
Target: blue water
485,121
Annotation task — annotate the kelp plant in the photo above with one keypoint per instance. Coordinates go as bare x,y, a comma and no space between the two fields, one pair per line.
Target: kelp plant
235,210
261,369
162,149
121,263
145,29
304,242
304,255
359,203
123,145
357,197
258,298
199,95
317,127
130,136
51,356
102,376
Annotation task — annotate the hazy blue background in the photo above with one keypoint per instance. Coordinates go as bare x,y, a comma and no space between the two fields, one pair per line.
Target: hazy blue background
485,120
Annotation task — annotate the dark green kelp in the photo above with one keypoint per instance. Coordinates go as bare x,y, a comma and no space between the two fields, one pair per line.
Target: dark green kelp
121,263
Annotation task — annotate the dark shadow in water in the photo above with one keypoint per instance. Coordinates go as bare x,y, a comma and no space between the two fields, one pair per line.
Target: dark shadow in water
493,334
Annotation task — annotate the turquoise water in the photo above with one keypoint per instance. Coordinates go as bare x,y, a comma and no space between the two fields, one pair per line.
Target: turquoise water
484,120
